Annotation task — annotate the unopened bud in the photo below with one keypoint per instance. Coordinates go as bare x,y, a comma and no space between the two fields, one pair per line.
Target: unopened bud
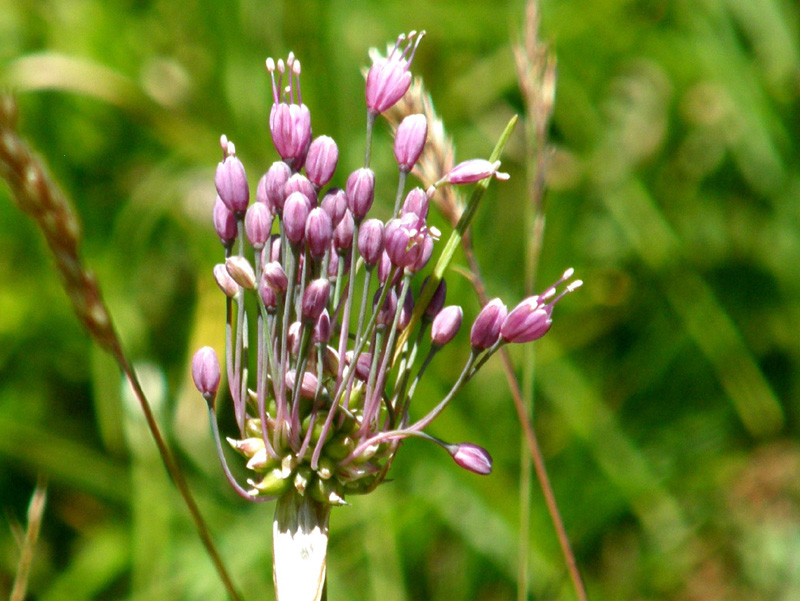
471,457
241,271
446,325
225,281
323,155
205,372
360,191
409,140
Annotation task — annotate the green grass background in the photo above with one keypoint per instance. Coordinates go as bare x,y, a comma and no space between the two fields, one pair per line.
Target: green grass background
667,391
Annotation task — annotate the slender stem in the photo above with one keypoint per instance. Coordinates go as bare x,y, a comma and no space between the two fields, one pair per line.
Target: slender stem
35,514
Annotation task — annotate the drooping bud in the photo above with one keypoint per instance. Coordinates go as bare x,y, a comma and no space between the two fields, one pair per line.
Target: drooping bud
275,179
225,281
334,203
362,365
370,241
486,327
258,225
295,213
471,457
315,298
275,277
446,325
404,240
224,222
473,171
360,191
323,155
528,321
231,182
319,232
409,140
205,372
343,234
389,78
416,202
241,271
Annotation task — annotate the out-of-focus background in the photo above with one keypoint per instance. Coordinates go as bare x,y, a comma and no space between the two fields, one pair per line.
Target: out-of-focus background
666,392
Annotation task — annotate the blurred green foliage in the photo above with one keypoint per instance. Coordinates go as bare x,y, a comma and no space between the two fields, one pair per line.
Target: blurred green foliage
667,392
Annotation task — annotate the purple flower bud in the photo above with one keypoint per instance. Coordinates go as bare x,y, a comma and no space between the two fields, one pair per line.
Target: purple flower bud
275,249
388,78
295,213
335,204
276,177
409,140
224,222
360,191
406,311
437,300
387,310
293,337
315,298
471,457
446,324
322,329
529,320
241,271
370,241
385,268
205,372
362,365
417,202
268,296
275,277
343,234
333,262
473,171
225,281
231,183
321,161
319,232
424,255
258,225
486,327
289,123
300,183
308,387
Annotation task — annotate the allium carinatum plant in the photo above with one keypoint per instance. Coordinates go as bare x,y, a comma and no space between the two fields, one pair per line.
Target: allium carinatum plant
339,343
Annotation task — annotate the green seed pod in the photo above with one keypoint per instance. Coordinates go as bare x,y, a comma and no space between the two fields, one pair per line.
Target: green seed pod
303,477
273,484
339,447
325,491
326,468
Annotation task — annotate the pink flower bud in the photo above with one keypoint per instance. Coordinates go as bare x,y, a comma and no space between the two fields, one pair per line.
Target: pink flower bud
295,213
322,329
446,325
486,327
370,241
473,171
405,242
315,298
225,281
231,183
323,155
275,179
319,232
360,191
241,271
268,296
308,387
205,372
300,183
290,126
416,202
471,457
258,225
275,277
362,365
343,234
388,78
529,320
409,140
387,310
334,204
224,222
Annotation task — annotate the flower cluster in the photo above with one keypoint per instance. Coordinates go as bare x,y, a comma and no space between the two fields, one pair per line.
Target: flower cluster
334,293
